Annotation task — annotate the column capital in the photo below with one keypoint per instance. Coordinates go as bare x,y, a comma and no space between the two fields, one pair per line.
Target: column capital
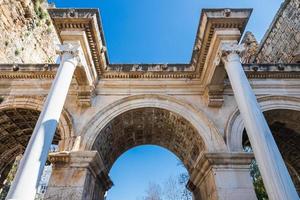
229,51
70,51
232,47
71,48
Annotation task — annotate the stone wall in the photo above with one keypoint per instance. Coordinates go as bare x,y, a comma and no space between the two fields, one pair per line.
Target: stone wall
27,34
281,43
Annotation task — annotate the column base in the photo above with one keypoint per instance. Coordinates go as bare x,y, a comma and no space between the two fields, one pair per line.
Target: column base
223,176
78,175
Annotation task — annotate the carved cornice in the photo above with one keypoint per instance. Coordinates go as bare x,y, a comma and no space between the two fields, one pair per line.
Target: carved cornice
274,71
211,20
87,20
48,71
28,71
151,75
27,75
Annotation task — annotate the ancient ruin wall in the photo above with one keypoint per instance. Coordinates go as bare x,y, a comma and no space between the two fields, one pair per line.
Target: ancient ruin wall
281,43
27,34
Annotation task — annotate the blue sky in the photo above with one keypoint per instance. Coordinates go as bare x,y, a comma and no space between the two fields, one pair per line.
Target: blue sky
163,31
139,166
157,31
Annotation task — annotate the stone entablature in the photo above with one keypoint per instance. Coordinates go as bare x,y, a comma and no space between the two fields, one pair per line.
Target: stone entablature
48,71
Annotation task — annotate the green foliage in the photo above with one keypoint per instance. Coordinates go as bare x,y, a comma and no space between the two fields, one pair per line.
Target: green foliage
39,11
49,30
17,52
258,182
48,22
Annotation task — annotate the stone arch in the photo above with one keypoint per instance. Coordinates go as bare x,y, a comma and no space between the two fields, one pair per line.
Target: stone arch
208,132
18,115
36,103
235,125
149,125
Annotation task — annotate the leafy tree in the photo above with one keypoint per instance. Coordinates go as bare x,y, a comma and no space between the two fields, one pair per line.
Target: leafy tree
258,183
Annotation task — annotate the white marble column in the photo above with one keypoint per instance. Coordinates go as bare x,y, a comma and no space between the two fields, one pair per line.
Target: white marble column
32,164
275,175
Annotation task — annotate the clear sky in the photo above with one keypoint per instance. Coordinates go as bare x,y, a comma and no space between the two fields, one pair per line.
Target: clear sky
157,31
139,166
163,31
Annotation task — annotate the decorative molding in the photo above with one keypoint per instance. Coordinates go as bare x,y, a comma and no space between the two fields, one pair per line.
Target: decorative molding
211,20
87,20
59,158
219,160
48,71
83,159
214,95
139,75
85,95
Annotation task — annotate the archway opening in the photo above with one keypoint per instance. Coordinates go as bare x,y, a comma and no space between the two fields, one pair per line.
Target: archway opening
147,171
285,127
149,126
16,125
